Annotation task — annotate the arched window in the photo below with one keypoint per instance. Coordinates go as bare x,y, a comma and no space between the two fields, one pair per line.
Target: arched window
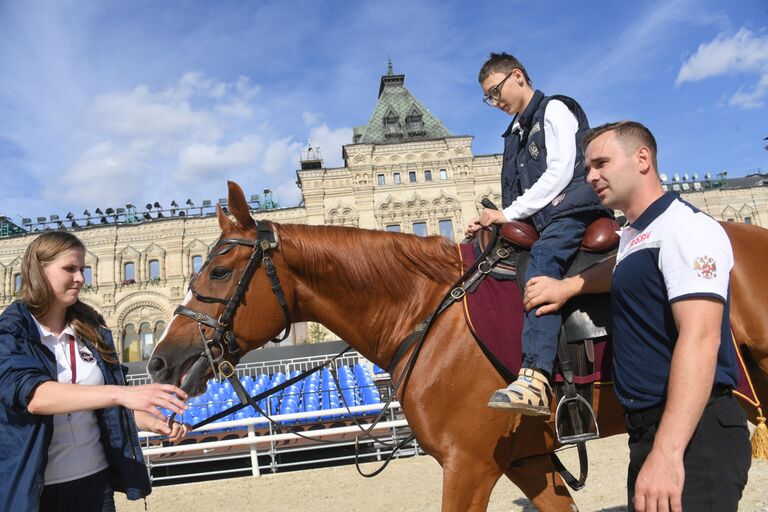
129,272
197,263
146,340
88,277
154,270
16,282
392,125
130,344
415,122
420,228
446,228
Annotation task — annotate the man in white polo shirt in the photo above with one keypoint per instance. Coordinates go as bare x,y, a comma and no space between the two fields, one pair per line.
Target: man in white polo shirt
674,360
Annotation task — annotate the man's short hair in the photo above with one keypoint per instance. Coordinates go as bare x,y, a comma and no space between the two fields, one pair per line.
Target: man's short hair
630,134
503,63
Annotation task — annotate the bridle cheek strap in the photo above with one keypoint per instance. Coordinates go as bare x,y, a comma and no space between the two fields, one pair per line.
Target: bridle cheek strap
229,351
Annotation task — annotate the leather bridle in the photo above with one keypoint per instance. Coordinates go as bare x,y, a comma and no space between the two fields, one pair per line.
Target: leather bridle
223,338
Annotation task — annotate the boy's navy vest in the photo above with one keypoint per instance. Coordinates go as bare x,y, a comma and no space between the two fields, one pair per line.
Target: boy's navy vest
525,160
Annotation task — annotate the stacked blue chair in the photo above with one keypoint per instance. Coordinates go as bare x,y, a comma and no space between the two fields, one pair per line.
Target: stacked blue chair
368,389
291,397
274,401
310,400
329,392
348,386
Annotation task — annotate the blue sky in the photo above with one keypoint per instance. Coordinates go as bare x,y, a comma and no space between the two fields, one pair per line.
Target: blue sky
110,102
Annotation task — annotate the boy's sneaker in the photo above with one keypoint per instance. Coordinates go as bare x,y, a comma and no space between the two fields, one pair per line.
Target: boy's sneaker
528,395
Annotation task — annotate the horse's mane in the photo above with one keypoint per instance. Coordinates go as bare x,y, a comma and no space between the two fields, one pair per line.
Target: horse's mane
366,257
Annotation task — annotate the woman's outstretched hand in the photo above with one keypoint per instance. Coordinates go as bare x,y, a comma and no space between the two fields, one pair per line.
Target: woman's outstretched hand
149,397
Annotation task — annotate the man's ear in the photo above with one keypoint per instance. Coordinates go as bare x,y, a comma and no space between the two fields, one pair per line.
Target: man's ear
643,159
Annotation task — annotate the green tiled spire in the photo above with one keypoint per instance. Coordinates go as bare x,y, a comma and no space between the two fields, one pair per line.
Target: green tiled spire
398,116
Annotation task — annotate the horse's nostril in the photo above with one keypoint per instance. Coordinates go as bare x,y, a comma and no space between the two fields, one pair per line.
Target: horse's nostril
156,364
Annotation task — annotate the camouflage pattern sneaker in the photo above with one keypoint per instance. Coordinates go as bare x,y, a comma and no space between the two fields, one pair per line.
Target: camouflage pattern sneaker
528,395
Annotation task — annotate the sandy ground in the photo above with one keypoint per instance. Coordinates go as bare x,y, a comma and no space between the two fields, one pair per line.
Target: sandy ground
407,485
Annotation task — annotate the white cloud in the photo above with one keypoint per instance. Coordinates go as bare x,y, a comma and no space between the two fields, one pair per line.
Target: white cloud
287,194
330,142
745,52
184,138
210,160
310,118
281,155
104,173
141,113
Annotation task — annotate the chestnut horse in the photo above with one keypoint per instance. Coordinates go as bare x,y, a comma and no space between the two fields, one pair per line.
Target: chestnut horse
372,288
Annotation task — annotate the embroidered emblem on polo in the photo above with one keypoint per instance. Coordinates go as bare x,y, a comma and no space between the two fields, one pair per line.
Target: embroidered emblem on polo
86,356
535,128
705,267
533,150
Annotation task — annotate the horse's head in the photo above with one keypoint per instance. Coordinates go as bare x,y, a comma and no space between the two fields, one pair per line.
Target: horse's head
231,306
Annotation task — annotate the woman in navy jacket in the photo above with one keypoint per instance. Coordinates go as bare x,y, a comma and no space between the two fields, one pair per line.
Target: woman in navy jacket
68,422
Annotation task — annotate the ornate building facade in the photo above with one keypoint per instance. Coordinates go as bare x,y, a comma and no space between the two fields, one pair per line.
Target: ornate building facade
403,171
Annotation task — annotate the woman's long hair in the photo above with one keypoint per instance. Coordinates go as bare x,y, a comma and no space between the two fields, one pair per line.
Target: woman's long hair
36,293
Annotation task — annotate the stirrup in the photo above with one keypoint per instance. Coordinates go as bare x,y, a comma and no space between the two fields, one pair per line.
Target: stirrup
575,401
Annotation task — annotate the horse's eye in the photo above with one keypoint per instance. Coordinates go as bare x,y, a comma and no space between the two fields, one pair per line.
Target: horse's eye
220,273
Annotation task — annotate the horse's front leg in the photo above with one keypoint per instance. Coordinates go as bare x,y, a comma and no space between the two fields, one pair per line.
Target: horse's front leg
542,484
467,485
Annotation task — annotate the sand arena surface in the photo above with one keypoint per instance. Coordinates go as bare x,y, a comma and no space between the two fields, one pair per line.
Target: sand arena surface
412,484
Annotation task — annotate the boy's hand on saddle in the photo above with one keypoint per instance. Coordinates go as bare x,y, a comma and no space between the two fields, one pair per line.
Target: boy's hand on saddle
547,294
486,218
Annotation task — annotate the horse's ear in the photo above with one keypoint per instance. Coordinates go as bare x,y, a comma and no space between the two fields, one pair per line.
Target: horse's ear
225,223
239,207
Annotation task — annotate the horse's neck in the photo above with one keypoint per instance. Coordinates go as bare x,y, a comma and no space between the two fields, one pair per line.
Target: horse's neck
367,317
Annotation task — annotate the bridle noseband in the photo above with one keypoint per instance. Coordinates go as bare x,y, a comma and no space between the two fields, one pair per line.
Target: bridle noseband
223,338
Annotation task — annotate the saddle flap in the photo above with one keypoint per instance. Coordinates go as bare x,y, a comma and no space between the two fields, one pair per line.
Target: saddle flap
587,317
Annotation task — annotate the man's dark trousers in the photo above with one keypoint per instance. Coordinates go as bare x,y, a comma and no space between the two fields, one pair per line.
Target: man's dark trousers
716,461
550,256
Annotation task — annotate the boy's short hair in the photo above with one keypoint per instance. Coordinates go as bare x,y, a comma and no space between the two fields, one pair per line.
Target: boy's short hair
503,63
630,134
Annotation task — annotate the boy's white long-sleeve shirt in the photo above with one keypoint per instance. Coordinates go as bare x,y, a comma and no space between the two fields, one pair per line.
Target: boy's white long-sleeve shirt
560,127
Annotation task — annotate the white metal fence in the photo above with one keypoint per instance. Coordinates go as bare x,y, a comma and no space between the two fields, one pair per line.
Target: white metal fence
253,446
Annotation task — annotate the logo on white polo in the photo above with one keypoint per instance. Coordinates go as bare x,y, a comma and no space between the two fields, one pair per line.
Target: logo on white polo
705,267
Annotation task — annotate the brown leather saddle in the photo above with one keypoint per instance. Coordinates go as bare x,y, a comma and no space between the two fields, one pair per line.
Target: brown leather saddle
600,237
585,316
